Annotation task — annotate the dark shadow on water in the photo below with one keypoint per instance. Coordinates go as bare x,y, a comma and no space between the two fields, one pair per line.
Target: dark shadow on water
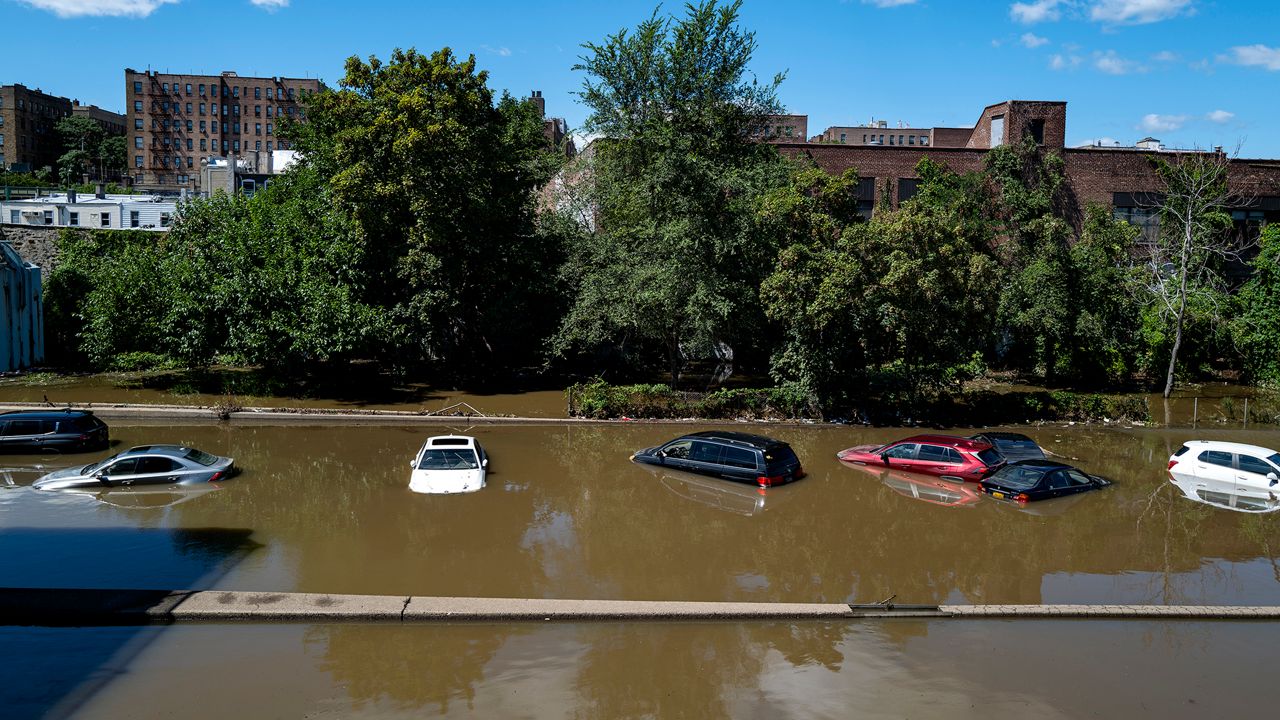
51,672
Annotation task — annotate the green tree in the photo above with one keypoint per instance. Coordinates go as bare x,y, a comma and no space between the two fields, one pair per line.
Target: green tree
675,259
1184,283
1256,326
441,183
897,307
81,140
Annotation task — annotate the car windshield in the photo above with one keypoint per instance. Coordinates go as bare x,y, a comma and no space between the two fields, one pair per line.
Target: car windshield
1018,477
1275,460
450,459
93,467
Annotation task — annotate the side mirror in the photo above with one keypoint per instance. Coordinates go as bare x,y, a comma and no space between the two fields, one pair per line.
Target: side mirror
484,463
413,464
884,458
660,453
1273,478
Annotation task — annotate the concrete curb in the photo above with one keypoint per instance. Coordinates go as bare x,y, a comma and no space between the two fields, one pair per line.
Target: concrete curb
57,607
343,416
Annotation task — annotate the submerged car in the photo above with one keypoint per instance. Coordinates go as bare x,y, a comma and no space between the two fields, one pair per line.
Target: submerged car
1250,468
947,456
736,456
449,464
58,430
1013,446
1032,480
1226,495
143,465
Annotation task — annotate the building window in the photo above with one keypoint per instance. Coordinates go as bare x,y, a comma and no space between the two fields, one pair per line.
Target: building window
134,220
235,92
137,123
188,108
224,128
924,139
257,93
864,138
201,108
137,105
190,162
1037,131
911,139
137,142
202,90
235,145
166,141
224,91
188,126
268,111
189,144
257,128
907,189
203,145
257,145
137,87
48,217
137,161
997,130
235,110
235,128
188,88
890,139
268,128
105,220
224,147
290,93
73,219
13,217
257,111
164,86
268,146
164,219
203,127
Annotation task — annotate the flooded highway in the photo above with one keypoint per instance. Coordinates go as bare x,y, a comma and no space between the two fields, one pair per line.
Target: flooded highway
326,509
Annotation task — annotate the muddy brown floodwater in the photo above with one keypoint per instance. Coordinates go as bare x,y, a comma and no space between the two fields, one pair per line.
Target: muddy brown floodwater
326,509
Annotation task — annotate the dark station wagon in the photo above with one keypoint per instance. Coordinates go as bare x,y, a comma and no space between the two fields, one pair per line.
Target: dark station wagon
1031,480
730,455
35,431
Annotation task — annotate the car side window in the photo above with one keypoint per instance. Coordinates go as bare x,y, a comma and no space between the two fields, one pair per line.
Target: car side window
905,451
1059,479
932,453
678,449
1248,463
25,427
1079,478
739,458
127,466
953,456
1216,457
705,452
156,465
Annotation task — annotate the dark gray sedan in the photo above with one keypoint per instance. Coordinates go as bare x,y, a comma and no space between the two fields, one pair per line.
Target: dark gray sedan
144,465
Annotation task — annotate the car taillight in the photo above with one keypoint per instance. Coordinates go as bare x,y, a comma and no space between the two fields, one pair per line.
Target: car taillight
768,480
1171,464
86,437
217,476
1021,497
799,473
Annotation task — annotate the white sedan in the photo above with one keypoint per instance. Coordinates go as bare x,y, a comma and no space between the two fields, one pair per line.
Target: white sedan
449,464
1248,468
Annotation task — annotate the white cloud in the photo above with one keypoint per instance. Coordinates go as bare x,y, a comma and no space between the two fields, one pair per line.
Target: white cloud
1032,40
888,3
1220,116
1154,123
1030,13
1064,62
1259,55
1165,56
1112,64
98,8
503,51
271,4
1138,12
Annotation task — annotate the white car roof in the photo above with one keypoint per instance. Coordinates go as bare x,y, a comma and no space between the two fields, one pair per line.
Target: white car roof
1229,447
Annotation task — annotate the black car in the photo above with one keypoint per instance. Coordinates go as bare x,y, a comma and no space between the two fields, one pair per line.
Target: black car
1013,446
1030,480
730,455
59,430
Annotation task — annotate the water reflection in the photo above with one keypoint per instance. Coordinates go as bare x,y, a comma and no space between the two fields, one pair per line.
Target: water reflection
724,495
1227,496
926,488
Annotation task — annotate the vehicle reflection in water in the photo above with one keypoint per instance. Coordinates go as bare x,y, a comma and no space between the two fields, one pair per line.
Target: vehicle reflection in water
737,498
149,497
925,488
1227,496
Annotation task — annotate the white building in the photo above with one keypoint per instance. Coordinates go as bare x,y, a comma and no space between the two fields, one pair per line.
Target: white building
98,210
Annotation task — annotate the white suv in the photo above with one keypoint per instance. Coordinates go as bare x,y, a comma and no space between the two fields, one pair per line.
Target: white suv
1247,467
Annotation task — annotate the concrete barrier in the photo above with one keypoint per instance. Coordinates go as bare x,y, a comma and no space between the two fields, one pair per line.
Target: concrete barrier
67,607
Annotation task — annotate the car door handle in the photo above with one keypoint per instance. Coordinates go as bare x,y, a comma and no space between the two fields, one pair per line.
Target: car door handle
171,479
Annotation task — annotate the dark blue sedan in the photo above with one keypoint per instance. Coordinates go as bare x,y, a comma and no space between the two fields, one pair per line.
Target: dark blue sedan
1031,480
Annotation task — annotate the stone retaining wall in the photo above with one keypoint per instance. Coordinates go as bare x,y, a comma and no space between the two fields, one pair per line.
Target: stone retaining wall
35,244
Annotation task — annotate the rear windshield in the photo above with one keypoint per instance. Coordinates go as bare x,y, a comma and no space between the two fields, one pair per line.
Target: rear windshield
990,457
1017,477
449,459
780,456
1182,450
201,457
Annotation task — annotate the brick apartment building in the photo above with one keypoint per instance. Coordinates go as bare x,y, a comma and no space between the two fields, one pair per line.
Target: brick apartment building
28,138
1117,177
177,121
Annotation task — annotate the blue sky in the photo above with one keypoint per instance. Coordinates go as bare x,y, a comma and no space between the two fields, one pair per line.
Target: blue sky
1190,72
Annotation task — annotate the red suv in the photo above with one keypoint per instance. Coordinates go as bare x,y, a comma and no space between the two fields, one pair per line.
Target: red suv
948,456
